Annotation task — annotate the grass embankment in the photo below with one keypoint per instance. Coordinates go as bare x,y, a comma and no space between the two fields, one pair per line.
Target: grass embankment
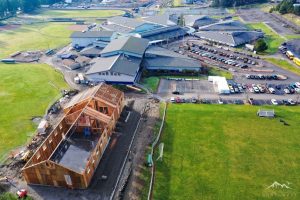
284,65
81,13
227,152
34,37
271,37
292,18
26,91
10,196
177,3
219,72
151,83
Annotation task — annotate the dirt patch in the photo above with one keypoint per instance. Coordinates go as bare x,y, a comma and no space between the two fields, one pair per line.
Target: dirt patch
78,27
9,27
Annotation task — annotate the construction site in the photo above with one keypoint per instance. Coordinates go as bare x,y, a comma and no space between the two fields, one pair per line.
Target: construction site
95,149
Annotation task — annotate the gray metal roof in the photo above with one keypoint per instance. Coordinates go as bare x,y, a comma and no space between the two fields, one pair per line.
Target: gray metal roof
119,63
173,62
117,28
91,34
91,51
160,19
230,25
160,57
126,22
159,51
129,44
234,38
198,20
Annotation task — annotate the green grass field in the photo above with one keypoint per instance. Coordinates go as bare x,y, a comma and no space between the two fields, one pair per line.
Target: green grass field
26,90
227,152
177,3
34,37
81,13
272,38
284,65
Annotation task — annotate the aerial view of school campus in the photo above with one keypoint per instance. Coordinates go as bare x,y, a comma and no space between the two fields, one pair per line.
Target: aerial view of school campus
150,99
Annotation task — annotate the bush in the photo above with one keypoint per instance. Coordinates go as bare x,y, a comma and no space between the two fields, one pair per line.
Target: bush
260,45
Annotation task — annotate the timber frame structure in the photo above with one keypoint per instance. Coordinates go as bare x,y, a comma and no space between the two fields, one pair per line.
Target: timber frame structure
71,153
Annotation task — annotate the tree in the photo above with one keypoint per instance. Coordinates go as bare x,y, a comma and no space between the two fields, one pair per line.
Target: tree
30,5
260,45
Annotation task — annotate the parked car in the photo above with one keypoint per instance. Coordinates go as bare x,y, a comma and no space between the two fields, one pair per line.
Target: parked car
274,102
172,100
291,102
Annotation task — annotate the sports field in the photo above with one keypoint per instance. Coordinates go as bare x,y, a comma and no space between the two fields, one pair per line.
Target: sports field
26,90
81,13
34,37
227,152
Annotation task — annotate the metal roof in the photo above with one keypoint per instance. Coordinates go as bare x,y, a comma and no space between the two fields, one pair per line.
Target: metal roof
234,38
159,51
119,63
198,20
231,25
127,44
160,19
91,34
161,62
126,22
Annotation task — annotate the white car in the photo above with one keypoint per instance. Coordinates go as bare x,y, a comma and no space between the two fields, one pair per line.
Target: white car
220,101
287,91
297,90
172,99
274,102
292,102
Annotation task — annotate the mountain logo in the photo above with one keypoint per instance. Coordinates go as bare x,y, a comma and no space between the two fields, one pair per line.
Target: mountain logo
277,185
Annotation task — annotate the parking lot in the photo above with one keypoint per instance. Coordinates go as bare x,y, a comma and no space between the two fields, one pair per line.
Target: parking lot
188,91
257,15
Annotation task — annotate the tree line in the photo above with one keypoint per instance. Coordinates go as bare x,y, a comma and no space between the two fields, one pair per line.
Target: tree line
287,6
9,8
233,3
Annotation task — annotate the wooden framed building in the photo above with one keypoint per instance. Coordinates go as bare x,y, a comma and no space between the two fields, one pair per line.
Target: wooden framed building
71,153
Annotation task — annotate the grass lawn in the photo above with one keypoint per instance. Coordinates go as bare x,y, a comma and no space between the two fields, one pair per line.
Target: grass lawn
34,37
151,83
219,72
284,65
227,152
272,38
177,3
81,13
26,90
292,17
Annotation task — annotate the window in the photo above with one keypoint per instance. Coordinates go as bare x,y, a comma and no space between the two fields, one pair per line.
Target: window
97,152
44,147
55,133
38,155
68,179
112,73
107,73
60,126
50,140
88,170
